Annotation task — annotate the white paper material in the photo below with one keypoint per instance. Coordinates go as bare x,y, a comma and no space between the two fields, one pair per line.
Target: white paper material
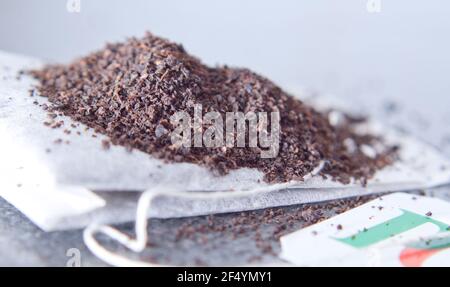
395,230
83,165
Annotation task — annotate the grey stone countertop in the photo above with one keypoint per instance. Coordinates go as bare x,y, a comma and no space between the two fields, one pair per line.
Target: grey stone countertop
227,239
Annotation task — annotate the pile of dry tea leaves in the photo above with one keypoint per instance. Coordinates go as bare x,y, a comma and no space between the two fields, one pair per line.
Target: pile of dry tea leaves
128,91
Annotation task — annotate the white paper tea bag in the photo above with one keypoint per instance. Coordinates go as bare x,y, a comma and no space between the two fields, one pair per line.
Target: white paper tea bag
59,178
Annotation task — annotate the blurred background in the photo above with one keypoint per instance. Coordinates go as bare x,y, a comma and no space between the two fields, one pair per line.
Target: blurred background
377,54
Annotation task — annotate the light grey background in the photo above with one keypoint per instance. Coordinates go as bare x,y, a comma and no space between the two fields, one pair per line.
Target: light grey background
331,46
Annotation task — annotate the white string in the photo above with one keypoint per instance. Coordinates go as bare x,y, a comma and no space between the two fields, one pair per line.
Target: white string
106,255
139,243
136,245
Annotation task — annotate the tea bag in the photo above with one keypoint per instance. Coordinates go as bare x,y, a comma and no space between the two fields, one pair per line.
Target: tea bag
50,174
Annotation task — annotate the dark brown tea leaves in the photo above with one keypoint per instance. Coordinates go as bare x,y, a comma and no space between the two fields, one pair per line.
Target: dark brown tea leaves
128,91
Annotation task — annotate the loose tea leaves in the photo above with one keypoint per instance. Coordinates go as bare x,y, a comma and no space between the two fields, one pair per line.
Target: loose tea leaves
129,91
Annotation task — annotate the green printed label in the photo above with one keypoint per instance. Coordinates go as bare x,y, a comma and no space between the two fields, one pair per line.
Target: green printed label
406,221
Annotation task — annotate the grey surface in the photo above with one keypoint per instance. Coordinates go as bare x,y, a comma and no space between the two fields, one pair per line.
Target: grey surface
24,244
214,240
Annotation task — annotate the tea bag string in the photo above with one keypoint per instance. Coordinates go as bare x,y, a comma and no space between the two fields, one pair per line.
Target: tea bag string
139,243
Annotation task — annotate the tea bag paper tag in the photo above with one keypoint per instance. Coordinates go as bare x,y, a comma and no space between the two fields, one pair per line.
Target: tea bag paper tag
395,230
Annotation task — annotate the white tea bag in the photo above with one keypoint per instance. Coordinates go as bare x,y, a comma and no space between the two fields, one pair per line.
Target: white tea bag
60,177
